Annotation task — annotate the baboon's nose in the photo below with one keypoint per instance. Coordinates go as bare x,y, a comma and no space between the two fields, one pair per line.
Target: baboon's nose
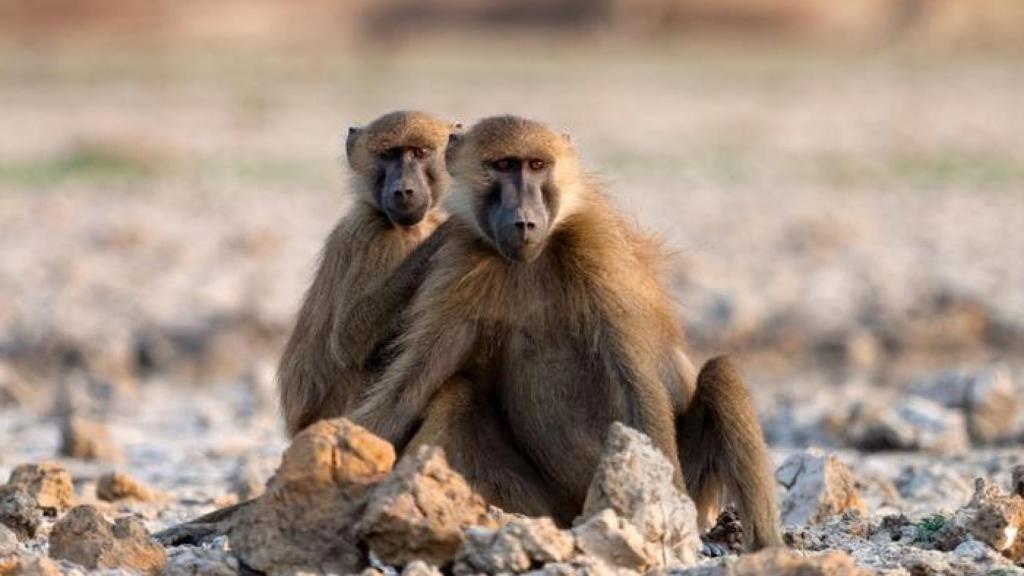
525,228
404,197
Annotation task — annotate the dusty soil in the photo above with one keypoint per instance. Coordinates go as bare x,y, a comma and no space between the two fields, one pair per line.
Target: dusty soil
847,225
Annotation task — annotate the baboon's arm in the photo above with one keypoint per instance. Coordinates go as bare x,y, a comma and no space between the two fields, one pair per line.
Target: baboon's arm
432,353
373,317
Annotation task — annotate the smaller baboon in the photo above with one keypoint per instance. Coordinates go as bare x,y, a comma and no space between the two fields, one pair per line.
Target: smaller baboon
364,276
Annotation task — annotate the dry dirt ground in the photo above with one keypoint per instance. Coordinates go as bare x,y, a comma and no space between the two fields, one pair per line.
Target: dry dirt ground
847,224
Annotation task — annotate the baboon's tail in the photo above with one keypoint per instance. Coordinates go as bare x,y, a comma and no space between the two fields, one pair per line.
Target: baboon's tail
721,446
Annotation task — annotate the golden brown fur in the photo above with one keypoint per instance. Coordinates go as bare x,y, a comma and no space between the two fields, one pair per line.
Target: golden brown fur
721,448
358,287
518,368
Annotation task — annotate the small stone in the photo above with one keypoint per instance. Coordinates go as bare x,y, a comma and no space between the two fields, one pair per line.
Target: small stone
615,542
935,483
421,511
987,397
191,561
14,392
87,440
991,404
915,423
8,541
818,487
634,480
515,547
973,550
992,517
115,486
520,543
28,566
19,511
420,568
305,520
49,484
250,476
84,537
782,562
1017,480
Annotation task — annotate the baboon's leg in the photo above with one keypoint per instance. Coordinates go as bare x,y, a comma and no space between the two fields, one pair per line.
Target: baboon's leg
721,445
478,445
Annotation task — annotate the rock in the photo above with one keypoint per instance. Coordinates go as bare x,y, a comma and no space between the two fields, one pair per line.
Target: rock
914,423
14,392
306,518
249,478
420,568
615,542
991,405
856,349
8,541
818,487
935,483
992,517
191,561
519,545
49,484
115,486
634,480
421,511
988,398
28,566
19,511
87,440
583,566
84,537
974,551
782,562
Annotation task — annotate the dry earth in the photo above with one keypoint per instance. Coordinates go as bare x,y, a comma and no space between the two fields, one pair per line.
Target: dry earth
849,225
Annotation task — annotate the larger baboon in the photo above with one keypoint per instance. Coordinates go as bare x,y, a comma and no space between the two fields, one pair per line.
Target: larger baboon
399,179
542,321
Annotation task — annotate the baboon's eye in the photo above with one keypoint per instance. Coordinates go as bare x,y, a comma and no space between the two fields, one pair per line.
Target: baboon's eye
391,153
537,164
504,165
419,152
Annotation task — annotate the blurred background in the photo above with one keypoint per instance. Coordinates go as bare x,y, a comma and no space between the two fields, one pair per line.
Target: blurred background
841,183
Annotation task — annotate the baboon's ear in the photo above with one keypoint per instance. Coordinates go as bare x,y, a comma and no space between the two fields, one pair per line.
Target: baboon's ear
455,140
457,128
350,140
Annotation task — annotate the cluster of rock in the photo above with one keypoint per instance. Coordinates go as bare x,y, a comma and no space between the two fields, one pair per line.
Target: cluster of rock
941,413
37,505
339,503
823,510
83,377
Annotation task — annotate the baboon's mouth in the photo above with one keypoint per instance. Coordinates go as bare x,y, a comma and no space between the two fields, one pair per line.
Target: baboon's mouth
406,217
521,252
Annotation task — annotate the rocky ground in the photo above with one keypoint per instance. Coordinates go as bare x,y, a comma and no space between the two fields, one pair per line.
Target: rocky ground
848,227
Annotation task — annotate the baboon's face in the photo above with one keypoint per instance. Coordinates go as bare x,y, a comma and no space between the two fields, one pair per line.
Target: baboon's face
519,206
406,181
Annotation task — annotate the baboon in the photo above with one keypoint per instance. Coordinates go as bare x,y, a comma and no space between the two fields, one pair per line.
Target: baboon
364,275
541,321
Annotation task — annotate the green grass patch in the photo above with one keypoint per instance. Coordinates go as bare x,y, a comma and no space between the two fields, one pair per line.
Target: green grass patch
929,525
90,161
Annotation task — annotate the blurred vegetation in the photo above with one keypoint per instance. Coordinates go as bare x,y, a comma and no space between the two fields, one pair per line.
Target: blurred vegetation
49,23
